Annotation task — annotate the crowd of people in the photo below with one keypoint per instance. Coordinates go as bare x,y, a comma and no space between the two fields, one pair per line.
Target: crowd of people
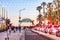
11,28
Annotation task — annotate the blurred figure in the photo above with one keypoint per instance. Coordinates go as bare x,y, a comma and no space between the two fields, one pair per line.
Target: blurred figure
19,28
10,28
14,29
24,28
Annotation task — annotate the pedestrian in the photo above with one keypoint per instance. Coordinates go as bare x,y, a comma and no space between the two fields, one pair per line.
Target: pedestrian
9,30
14,29
19,29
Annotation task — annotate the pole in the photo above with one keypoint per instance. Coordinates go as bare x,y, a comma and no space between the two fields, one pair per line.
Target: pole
19,20
20,16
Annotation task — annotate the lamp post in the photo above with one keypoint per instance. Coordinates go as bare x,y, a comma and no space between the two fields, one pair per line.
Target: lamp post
20,17
20,11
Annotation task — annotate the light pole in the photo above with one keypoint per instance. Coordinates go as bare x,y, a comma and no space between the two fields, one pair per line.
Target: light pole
20,11
20,17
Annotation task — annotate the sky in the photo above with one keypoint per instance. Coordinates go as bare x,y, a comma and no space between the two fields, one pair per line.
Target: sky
13,6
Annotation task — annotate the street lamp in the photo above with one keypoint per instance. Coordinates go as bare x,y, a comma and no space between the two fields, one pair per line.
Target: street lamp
20,17
20,11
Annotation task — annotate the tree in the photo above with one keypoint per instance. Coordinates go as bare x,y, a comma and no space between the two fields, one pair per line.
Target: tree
43,4
57,14
7,21
39,18
57,4
39,8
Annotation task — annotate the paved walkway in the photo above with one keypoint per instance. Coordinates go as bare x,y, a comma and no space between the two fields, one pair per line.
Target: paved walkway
12,36
28,35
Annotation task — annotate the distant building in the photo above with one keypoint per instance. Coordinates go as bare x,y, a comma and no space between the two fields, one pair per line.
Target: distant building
2,19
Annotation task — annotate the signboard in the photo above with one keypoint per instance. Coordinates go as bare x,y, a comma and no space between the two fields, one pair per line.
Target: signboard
24,20
20,21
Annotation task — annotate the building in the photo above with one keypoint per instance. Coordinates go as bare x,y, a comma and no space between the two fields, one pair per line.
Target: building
2,19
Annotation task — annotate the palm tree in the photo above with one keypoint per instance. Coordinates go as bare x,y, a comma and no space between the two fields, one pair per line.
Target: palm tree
39,8
49,4
39,16
43,4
